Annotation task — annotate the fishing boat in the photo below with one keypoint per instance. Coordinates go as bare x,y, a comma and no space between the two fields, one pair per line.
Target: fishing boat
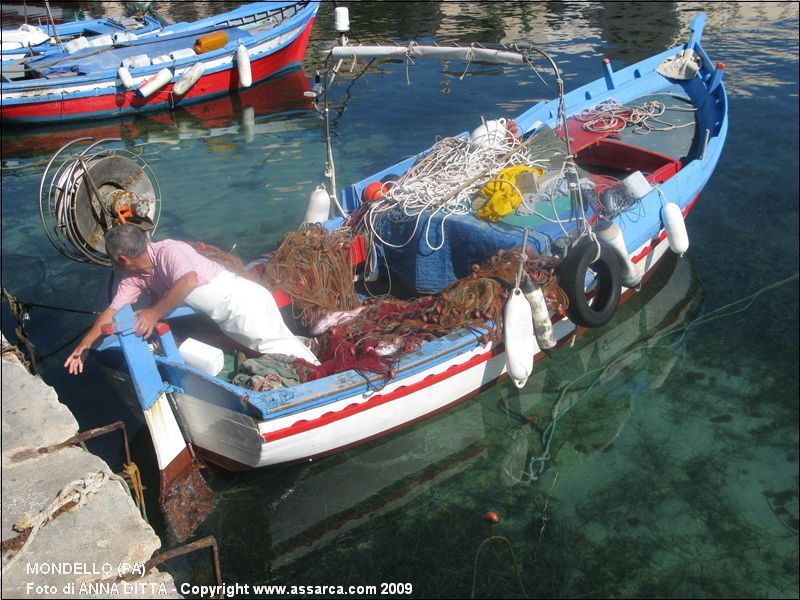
178,65
594,208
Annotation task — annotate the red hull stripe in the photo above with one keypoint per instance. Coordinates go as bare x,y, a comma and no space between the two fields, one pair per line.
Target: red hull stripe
400,392
117,102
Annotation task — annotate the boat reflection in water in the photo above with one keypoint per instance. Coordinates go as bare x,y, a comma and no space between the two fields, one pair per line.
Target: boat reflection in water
488,443
246,113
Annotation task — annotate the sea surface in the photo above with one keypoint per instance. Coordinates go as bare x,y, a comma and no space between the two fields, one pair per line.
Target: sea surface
657,457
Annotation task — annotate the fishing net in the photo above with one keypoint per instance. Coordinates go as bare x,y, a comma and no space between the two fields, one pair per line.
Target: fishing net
385,329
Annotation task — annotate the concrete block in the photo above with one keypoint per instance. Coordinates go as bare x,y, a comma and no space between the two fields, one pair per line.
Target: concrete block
32,416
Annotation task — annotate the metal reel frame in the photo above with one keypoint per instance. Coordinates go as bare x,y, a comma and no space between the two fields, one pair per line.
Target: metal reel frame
58,187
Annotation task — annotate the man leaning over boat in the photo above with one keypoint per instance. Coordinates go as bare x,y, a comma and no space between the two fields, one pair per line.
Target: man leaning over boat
176,273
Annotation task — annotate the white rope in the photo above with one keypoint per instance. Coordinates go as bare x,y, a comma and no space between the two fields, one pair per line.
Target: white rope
445,180
76,492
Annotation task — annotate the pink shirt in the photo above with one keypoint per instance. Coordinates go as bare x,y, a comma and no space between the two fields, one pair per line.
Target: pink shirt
171,261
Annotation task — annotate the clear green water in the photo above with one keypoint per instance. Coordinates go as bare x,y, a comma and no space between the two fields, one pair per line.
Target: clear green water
673,466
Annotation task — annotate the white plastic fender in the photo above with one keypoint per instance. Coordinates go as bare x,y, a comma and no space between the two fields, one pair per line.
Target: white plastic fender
188,79
518,337
125,77
243,64
341,20
542,325
318,207
612,236
677,236
155,83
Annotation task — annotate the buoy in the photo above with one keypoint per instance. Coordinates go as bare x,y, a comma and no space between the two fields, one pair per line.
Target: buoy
612,236
125,77
243,64
542,325
373,191
678,238
188,79
492,517
318,207
492,134
341,20
155,83
519,338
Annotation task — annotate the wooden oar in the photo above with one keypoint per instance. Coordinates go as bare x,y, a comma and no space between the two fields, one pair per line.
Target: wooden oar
184,495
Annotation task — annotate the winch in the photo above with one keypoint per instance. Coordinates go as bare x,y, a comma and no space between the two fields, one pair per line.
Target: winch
86,191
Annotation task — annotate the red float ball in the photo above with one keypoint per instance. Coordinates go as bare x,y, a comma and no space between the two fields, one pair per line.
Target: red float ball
492,517
373,192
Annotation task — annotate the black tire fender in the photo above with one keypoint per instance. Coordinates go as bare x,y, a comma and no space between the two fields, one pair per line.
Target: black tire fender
572,276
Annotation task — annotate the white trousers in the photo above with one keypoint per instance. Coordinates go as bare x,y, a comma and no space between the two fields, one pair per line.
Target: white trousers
247,313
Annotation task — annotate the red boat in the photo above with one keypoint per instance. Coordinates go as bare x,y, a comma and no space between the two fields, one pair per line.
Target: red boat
184,63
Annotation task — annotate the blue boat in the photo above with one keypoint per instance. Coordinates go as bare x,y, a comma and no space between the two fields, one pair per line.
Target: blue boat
597,215
174,66
62,39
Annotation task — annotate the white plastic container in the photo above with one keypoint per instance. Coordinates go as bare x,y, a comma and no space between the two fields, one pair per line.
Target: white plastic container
101,40
243,65
76,45
201,356
636,185
182,53
155,83
124,36
134,62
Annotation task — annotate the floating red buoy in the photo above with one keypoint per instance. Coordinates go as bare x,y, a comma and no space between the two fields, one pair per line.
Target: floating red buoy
492,517
373,192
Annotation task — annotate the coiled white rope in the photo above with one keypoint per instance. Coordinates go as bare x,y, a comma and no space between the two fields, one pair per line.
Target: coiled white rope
445,180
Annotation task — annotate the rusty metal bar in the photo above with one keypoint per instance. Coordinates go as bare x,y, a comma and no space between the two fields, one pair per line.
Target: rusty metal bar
90,434
207,542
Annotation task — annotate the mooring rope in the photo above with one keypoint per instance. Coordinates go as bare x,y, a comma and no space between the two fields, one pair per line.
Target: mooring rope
71,496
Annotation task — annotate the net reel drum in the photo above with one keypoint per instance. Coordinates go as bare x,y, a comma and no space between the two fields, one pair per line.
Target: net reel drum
84,193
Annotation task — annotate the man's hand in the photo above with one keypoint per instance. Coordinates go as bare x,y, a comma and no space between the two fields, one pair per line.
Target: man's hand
146,321
75,361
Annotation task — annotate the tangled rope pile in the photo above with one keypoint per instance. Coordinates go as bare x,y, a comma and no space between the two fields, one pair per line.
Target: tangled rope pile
445,180
613,116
